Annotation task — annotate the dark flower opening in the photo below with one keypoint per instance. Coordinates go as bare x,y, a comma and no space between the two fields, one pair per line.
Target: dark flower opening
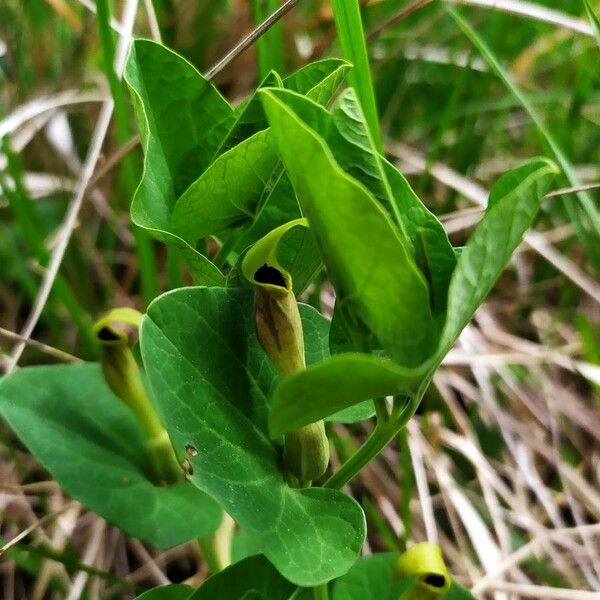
107,334
270,276
435,580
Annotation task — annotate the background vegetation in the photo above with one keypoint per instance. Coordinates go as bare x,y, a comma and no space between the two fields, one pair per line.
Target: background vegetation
502,466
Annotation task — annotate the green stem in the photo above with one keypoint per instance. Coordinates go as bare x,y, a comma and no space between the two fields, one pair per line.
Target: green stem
348,22
383,434
381,410
210,555
160,449
296,594
407,484
216,548
227,247
321,592
376,442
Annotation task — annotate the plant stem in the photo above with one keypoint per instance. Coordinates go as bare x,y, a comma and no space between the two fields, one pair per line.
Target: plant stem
321,592
160,450
376,442
407,484
296,594
210,555
227,247
216,548
381,410
383,434
348,22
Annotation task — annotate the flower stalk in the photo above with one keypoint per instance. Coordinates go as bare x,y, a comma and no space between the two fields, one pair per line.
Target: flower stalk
123,377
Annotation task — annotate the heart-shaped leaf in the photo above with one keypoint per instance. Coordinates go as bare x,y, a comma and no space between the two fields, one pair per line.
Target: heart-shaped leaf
183,120
254,574
227,191
244,185
212,380
389,296
94,447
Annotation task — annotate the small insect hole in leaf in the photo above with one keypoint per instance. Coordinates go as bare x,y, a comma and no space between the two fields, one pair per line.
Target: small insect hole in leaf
190,451
271,276
434,580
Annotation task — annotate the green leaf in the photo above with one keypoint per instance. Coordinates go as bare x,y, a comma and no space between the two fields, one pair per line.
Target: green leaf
243,179
588,233
277,205
348,23
346,133
212,380
513,205
514,202
94,447
374,277
426,236
250,116
353,414
227,191
371,579
336,384
458,592
168,592
254,574
182,120
318,80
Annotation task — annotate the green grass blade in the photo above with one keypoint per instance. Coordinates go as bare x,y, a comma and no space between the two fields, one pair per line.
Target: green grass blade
31,227
348,22
270,47
594,20
143,244
588,239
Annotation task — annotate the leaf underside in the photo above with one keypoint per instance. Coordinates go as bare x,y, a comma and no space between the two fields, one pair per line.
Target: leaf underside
94,447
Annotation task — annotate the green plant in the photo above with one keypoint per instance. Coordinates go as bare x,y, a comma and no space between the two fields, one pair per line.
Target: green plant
240,376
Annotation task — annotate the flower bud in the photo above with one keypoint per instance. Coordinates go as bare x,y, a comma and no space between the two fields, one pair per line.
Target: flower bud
279,331
278,323
425,561
306,452
123,377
